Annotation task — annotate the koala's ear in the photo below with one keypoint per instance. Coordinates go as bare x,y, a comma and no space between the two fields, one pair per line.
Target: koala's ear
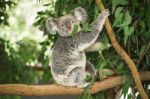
51,25
80,14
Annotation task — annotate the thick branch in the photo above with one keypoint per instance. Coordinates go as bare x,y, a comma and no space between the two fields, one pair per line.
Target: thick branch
42,90
123,54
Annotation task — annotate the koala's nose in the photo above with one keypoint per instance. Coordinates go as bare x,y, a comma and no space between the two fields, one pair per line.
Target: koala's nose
68,25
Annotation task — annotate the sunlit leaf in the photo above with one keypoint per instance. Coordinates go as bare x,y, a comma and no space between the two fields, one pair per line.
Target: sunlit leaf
74,31
109,73
118,11
127,20
118,20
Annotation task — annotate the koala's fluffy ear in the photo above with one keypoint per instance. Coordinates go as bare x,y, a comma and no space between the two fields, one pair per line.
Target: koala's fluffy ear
51,25
80,14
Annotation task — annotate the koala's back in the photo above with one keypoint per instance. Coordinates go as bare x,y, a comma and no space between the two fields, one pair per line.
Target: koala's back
65,56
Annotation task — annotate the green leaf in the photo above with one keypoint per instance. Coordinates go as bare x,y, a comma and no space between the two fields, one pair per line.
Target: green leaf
127,20
142,26
100,72
118,2
121,69
86,94
74,31
142,50
118,20
86,27
46,76
99,95
118,11
128,81
100,69
120,66
129,96
127,32
96,12
109,73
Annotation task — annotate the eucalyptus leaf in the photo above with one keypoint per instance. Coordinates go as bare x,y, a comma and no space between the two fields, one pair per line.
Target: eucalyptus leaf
118,2
118,20
86,27
127,20
142,50
118,11
128,81
127,32
109,73
74,31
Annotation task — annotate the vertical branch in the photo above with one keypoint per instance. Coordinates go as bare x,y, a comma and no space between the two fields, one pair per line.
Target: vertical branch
123,54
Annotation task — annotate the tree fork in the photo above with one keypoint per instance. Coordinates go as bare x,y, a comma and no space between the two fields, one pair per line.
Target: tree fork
123,54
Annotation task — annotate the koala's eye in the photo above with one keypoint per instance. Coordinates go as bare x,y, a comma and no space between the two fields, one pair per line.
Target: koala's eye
72,21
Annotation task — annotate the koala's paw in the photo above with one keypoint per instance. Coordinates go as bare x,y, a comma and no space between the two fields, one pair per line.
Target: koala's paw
83,85
106,12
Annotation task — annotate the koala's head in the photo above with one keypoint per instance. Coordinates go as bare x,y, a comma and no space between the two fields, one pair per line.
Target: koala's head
64,25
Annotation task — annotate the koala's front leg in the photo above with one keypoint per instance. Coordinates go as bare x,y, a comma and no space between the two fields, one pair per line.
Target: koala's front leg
82,40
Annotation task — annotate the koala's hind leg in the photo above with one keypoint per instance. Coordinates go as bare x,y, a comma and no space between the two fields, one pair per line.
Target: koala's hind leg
90,69
77,76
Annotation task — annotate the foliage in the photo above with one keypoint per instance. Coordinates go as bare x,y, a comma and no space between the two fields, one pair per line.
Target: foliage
130,21
4,6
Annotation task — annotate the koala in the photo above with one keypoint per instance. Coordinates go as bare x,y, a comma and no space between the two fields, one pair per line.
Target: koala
69,66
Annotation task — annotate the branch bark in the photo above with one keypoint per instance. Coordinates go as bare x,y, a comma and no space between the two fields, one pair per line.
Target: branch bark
123,54
42,90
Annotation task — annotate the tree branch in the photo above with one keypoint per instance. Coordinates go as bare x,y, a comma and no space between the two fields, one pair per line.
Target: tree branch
42,90
123,54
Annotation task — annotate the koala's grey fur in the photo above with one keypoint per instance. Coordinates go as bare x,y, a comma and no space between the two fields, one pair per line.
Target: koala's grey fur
68,61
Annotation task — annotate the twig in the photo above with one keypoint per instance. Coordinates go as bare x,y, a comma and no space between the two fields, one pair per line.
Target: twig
123,54
137,45
129,43
43,90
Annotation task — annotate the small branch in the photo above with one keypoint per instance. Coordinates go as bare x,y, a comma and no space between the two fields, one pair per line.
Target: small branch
43,90
128,46
137,46
123,54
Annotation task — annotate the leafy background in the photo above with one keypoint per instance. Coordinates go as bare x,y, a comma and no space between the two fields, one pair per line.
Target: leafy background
25,45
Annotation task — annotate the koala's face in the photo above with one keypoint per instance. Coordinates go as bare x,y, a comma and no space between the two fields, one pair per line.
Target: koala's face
64,25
